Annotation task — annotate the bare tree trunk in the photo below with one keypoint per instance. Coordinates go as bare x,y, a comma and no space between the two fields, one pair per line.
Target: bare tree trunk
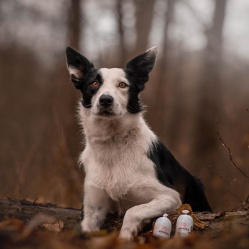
162,87
122,52
210,86
144,17
75,23
177,108
169,14
64,129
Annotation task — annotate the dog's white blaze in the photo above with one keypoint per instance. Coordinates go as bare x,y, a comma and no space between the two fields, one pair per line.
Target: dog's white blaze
112,77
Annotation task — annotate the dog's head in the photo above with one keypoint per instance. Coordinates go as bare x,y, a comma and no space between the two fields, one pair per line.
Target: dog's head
111,92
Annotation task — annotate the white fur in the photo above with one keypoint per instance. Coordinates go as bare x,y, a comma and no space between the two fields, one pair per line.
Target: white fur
118,170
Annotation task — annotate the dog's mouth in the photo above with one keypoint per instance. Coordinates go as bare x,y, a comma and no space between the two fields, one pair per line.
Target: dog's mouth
105,112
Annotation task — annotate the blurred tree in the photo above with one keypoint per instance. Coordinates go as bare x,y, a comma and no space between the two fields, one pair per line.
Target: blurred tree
144,17
162,86
122,45
20,108
64,131
75,23
209,102
177,106
164,63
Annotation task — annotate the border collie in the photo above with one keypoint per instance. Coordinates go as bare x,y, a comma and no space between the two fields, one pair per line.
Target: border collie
126,167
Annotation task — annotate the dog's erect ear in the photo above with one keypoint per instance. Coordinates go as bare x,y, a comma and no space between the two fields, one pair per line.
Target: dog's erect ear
78,66
142,65
143,62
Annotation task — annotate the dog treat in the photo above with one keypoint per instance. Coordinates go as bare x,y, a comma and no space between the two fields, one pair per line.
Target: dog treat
162,227
184,224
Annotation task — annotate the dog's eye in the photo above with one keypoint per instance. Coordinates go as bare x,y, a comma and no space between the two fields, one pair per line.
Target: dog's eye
95,84
122,85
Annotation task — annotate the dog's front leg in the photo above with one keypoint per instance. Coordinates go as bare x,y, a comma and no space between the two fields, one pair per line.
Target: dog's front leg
136,215
96,205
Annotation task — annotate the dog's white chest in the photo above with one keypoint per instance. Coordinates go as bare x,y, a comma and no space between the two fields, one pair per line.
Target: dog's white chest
111,169
116,184
115,158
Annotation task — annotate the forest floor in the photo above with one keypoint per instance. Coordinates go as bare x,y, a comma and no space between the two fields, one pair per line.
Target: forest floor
27,225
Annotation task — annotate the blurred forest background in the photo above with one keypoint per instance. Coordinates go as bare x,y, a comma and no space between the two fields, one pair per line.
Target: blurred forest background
197,96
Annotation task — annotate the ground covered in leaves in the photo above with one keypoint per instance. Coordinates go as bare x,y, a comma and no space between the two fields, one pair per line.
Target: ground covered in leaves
59,229
45,232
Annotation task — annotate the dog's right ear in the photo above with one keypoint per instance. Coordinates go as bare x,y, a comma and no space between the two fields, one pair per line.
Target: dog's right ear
78,66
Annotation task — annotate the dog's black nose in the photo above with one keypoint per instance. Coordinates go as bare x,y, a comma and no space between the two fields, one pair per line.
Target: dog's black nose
105,100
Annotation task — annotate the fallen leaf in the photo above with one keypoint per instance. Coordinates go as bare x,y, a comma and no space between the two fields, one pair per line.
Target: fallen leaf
54,227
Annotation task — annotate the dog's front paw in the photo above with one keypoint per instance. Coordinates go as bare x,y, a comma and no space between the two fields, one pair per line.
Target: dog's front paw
126,235
128,232
86,226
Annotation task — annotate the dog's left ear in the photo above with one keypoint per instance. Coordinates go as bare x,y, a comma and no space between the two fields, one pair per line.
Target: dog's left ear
141,66
78,66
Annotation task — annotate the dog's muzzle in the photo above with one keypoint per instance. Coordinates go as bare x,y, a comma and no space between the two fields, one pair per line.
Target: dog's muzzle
106,105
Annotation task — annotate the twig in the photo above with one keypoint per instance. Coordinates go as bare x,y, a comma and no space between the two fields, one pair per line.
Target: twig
231,156
227,182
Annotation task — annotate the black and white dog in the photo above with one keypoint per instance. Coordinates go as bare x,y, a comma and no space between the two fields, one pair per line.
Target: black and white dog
126,166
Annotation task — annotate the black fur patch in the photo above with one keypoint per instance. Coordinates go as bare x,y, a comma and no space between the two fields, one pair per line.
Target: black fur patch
137,72
172,174
80,63
134,104
87,74
87,90
141,66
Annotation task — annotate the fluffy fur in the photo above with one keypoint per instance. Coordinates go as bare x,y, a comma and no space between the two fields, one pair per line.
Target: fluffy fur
127,168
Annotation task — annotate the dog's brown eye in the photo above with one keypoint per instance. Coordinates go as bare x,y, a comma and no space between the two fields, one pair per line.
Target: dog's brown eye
122,85
95,84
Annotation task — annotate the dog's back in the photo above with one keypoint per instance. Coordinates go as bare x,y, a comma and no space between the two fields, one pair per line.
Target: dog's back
172,174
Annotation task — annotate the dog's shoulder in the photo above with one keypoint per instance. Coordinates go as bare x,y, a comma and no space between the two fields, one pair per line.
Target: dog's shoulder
168,169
